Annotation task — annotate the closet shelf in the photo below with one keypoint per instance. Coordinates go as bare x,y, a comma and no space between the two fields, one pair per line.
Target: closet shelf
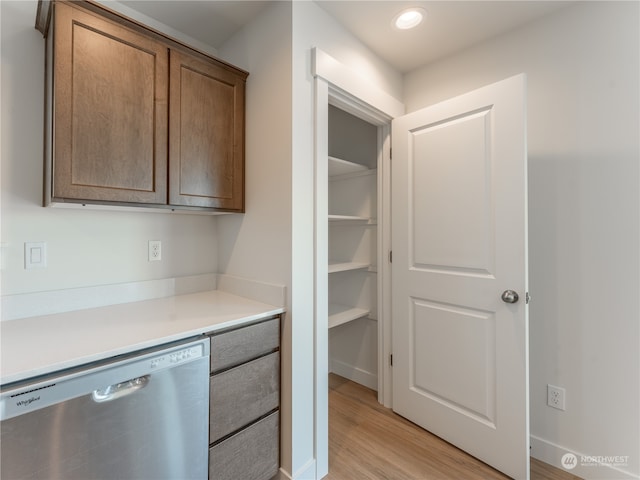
349,218
335,267
337,166
341,314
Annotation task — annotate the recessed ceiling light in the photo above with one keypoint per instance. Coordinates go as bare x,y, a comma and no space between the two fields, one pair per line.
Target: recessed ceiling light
409,18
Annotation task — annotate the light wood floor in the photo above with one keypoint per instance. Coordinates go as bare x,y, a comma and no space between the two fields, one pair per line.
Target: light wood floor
369,442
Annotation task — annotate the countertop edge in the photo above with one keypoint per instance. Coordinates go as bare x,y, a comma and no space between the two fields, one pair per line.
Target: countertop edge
192,308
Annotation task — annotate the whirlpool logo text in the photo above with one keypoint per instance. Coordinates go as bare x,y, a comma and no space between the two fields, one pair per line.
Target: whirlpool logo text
27,402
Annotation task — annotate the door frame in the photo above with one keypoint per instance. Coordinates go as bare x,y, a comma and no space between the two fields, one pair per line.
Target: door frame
338,85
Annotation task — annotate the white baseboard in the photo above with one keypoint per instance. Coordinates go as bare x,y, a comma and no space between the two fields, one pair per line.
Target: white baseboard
281,475
585,467
306,472
354,374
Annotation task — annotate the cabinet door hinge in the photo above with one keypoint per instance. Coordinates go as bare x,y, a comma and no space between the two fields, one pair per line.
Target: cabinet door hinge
390,154
390,256
391,360
527,298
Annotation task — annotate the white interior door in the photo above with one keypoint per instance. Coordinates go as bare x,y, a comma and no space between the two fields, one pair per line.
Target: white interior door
459,236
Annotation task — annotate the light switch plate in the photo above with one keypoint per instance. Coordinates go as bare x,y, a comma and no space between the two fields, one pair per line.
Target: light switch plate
35,255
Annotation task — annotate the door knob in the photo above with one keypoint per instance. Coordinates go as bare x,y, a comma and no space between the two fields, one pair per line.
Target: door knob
509,296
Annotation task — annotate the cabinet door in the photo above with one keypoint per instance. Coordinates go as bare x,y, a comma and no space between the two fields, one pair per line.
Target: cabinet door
110,111
234,347
243,394
251,454
206,134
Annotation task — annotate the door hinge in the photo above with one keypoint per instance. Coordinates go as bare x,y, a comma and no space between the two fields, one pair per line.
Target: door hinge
391,360
390,154
527,298
390,256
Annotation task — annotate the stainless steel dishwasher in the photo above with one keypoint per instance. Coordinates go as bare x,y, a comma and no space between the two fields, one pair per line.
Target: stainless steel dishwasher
143,416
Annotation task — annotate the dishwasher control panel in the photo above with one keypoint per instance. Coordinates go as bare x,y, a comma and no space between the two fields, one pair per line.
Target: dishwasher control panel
177,357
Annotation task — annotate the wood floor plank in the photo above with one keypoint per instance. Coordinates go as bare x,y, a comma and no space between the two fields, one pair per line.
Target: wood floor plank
544,471
369,442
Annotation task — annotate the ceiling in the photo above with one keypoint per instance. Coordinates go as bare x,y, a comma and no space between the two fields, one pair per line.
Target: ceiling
211,22
450,25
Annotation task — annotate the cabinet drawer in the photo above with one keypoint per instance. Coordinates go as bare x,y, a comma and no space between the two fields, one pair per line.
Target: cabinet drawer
238,346
251,454
243,394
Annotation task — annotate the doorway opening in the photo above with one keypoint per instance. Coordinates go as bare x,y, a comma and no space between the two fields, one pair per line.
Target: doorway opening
353,252
353,306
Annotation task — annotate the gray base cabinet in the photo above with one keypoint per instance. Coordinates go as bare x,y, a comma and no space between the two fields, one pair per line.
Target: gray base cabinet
252,453
244,406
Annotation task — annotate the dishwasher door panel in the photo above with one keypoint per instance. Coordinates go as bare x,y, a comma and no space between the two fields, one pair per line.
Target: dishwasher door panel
157,431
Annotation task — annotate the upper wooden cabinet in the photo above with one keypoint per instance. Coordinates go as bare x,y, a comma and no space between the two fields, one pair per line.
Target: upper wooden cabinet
136,118
110,111
206,151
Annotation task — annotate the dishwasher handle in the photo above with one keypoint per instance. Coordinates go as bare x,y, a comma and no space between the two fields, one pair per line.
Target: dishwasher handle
118,390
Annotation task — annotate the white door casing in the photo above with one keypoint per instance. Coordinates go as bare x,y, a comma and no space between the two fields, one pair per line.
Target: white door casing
459,236
344,88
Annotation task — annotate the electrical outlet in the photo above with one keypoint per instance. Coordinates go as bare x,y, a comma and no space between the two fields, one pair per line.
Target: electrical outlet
155,250
555,397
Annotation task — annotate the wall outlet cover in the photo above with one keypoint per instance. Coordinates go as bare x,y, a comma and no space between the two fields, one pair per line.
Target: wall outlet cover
155,250
556,397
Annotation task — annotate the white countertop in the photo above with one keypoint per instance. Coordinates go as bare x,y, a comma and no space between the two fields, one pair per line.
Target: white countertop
40,345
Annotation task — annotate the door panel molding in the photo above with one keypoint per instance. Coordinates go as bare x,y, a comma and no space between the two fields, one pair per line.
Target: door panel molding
436,361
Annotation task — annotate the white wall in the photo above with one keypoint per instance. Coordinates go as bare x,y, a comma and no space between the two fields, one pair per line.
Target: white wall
274,240
84,247
313,27
583,65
